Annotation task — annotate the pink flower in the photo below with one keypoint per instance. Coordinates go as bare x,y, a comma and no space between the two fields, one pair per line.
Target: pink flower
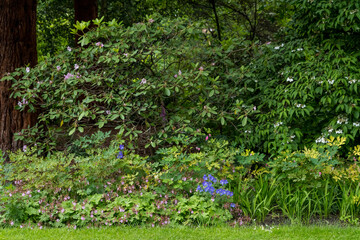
201,68
151,20
99,44
206,138
67,76
319,173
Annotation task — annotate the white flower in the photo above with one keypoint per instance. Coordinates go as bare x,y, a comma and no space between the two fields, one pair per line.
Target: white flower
330,130
321,140
76,66
339,131
247,131
27,69
356,124
289,79
300,49
69,49
331,82
342,120
352,81
277,47
282,45
278,124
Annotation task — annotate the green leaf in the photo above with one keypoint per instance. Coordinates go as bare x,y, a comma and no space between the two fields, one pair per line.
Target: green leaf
167,92
222,121
211,93
244,121
72,131
81,115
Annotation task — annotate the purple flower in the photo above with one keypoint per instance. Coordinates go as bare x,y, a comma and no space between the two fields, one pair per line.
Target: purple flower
151,20
120,155
99,44
58,68
67,76
143,81
24,148
76,67
69,49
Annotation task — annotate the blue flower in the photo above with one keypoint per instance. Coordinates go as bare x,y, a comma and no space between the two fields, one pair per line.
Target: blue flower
223,182
120,155
121,147
207,184
232,205
212,178
229,193
205,177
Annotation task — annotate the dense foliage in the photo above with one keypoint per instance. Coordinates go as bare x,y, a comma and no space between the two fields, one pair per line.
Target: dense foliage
152,122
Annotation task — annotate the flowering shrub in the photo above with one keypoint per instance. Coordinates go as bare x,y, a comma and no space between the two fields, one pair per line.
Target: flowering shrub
152,80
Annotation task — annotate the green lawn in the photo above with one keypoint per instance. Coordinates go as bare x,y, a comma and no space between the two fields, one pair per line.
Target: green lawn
282,232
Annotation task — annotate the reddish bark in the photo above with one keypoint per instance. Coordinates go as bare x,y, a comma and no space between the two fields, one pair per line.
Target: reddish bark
85,10
17,49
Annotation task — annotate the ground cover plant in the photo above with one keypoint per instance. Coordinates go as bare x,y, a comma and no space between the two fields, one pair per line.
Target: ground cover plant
162,124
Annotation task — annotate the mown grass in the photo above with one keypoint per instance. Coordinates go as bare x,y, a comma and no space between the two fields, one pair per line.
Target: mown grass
277,232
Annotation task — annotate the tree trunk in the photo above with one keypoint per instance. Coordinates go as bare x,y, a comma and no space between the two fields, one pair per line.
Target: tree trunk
17,49
85,10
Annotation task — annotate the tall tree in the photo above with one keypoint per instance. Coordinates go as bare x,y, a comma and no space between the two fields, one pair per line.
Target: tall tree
17,49
85,10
